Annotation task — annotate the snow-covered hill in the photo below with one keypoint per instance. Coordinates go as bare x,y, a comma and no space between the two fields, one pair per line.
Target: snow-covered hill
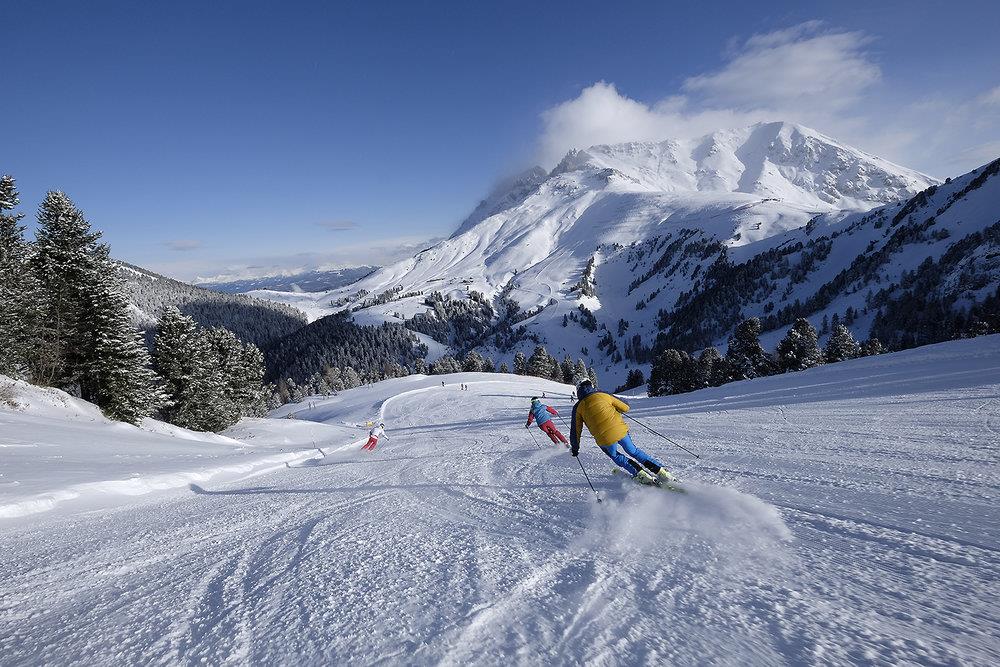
847,514
57,450
631,229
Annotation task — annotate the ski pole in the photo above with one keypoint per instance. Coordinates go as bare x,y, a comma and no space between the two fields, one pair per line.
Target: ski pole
533,437
677,444
588,478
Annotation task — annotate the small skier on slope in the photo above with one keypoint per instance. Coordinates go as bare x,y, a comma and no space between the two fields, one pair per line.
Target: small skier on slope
602,413
373,436
540,412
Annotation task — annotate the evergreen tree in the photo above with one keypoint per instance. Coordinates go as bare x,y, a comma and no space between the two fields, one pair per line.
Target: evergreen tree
799,349
635,378
296,393
592,376
504,368
118,377
334,379
189,367
841,345
711,368
580,373
65,262
473,362
242,368
745,357
520,364
351,378
871,347
420,366
489,366
18,288
445,365
540,363
568,370
674,372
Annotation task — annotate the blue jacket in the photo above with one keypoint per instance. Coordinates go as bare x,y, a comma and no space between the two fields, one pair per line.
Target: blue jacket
540,413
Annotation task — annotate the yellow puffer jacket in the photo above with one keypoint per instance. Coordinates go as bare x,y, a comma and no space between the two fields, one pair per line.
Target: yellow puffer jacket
602,413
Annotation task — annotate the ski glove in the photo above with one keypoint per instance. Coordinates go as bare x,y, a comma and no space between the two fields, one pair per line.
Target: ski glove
575,451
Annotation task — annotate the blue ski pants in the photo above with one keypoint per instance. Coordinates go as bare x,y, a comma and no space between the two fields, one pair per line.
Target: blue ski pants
629,448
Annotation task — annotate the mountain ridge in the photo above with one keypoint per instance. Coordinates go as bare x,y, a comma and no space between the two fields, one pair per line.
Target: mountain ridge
678,209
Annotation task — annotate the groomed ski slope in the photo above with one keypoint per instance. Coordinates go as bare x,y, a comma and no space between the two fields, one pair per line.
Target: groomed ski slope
847,514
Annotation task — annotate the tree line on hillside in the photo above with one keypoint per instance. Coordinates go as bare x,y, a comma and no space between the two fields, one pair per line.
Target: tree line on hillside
331,378
252,320
676,372
65,322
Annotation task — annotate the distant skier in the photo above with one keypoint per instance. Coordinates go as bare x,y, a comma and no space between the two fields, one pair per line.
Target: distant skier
373,436
539,412
602,413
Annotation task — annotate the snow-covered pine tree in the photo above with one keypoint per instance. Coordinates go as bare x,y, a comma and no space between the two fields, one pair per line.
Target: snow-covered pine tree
871,347
504,368
580,372
473,362
351,378
540,363
673,372
296,392
64,262
592,376
568,369
799,349
194,382
420,366
242,368
118,377
841,345
520,363
18,288
745,357
710,368
445,365
557,374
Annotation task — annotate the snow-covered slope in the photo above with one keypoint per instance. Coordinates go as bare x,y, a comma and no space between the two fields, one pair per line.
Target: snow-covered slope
843,515
57,450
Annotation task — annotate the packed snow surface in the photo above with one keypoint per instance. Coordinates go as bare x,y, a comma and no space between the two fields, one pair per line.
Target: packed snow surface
846,514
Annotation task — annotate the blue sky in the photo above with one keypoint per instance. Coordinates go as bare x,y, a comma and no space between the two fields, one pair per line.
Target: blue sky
238,137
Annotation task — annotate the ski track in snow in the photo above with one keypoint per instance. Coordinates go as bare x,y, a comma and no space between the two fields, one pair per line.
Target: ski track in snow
850,531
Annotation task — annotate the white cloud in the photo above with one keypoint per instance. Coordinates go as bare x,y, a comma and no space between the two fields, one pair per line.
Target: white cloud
338,225
991,98
602,115
808,73
797,68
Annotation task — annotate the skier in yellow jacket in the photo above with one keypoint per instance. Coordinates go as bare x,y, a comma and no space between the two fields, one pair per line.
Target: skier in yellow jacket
602,413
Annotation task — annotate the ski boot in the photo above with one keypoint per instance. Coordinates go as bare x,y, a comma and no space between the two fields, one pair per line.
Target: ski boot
664,476
643,477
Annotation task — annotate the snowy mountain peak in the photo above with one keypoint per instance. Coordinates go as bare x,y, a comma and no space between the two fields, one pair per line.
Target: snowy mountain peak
776,160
